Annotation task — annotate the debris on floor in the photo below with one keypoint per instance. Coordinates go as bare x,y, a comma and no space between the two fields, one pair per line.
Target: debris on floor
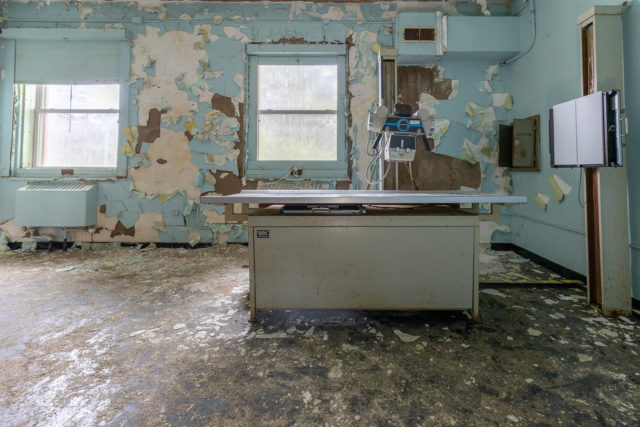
507,267
493,292
405,337
162,337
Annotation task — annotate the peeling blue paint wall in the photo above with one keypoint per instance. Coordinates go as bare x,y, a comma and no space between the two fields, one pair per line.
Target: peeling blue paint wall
185,52
478,82
550,74
160,198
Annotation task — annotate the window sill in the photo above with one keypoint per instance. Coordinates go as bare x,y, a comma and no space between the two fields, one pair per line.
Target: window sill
314,175
314,170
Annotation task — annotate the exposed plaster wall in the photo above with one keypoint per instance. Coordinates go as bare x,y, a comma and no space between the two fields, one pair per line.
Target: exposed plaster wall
188,97
461,95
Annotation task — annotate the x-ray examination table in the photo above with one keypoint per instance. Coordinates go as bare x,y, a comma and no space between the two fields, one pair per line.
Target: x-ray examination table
411,250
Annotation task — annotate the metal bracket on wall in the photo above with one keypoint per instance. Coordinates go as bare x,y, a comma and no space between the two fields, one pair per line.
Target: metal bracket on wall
624,128
492,215
230,214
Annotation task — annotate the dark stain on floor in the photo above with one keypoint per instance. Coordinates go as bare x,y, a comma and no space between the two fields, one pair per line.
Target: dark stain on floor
127,337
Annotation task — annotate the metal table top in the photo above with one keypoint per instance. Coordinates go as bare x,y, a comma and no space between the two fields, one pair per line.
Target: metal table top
374,197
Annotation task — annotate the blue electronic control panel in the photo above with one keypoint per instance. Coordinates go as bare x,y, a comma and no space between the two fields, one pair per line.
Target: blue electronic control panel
402,124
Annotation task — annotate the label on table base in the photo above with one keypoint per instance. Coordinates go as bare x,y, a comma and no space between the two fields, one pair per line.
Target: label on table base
262,234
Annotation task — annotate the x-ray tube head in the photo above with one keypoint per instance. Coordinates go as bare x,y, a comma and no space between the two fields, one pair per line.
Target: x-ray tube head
377,119
428,123
382,111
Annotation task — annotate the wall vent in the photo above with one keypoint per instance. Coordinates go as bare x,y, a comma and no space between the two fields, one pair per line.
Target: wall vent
56,204
420,34
55,186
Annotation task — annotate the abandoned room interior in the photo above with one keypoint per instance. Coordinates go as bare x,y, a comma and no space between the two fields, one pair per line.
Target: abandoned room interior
319,213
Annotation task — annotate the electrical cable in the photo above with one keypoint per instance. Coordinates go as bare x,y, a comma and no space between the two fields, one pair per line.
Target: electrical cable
521,9
292,172
533,32
375,156
370,144
410,170
582,204
370,171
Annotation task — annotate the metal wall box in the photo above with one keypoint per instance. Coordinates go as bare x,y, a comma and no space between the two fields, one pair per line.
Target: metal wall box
403,259
519,145
56,204
484,37
586,131
423,37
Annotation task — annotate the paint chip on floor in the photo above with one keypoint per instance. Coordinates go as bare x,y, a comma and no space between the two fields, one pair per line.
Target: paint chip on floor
626,320
278,335
584,358
336,371
404,336
493,292
534,332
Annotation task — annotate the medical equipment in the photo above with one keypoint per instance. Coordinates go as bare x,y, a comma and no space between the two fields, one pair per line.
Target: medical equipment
396,137
407,252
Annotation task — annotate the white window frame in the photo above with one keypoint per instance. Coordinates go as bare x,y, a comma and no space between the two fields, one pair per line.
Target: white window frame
11,145
276,54
39,114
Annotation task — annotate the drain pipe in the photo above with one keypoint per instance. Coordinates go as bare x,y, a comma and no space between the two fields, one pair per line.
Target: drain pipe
533,32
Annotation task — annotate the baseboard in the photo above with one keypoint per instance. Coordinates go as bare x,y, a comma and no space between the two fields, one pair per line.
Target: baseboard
556,268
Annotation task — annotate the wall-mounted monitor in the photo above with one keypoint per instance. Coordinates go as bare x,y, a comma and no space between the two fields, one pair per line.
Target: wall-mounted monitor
585,132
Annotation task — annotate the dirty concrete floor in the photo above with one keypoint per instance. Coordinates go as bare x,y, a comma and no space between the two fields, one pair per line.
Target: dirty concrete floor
127,337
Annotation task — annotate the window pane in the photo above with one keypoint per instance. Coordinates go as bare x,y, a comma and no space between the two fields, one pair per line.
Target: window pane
298,137
26,101
85,97
79,140
298,87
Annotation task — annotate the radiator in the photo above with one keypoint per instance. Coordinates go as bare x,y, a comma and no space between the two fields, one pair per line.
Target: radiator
56,204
